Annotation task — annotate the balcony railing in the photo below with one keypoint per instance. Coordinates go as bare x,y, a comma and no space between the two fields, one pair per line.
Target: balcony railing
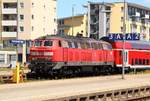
9,11
9,34
9,23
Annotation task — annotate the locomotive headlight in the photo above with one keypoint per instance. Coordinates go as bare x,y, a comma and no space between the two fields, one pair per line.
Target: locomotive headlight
48,53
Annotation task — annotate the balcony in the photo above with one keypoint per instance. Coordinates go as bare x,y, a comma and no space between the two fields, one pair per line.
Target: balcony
9,34
9,11
9,23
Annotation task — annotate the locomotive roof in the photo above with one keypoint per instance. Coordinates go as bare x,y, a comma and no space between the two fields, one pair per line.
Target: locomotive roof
69,38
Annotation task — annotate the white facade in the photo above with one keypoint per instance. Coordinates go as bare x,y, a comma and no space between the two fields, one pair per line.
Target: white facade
28,19
7,58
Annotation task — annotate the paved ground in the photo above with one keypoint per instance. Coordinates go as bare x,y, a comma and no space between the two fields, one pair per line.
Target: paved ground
42,90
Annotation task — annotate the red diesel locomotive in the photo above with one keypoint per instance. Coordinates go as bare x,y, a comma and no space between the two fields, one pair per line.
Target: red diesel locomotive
53,55
70,55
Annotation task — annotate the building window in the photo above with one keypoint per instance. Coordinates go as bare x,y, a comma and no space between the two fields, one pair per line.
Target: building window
55,20
121,29
133,28
122,19
21,28
32,28
21,5
122,9
44,6
32,16
2,58
55,9
21,17
55,31
32,4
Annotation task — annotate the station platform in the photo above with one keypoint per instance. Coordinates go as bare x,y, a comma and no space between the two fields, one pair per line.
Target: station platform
53,89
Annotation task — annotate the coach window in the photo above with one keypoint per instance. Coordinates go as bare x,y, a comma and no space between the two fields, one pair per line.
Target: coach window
140,61
136,61
147,61
144,62
132,61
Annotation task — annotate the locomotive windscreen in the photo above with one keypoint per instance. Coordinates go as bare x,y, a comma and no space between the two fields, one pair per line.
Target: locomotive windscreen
38,43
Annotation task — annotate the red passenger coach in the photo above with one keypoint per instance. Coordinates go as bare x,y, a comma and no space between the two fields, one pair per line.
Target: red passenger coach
70,55
137,54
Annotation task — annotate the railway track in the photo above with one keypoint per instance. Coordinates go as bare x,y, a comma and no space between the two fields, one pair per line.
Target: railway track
130,94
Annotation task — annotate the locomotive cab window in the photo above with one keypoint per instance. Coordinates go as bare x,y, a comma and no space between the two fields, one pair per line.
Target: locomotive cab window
48,43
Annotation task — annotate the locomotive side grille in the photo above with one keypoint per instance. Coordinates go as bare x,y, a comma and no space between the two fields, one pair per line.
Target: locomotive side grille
42,53
40,60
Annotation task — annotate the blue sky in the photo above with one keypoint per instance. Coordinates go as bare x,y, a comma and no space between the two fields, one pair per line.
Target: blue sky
64,7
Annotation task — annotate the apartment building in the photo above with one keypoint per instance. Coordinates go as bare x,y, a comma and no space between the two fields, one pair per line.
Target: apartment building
105,18
137,19
99,19
27,19
73,25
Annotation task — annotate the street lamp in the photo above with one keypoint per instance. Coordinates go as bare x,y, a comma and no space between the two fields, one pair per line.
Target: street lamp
86,13
124,39
72,19
17,31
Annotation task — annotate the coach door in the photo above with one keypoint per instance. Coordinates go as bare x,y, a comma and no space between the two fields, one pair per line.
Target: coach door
126,58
